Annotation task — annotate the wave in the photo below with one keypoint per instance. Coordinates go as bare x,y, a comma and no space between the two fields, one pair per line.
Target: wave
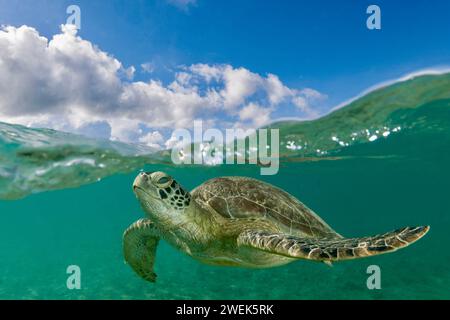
410,107
35,160
384,122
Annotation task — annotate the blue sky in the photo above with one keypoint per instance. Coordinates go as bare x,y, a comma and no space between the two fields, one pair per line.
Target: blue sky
322,45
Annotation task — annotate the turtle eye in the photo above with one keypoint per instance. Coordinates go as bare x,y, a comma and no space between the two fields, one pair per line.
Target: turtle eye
163,180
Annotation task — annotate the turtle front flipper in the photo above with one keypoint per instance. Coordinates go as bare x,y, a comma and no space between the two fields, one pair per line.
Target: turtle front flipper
139,248
328,250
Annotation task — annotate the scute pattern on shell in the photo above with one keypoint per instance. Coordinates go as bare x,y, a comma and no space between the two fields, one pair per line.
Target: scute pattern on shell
240,197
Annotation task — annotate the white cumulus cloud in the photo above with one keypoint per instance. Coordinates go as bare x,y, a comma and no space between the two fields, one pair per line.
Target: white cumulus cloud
152,139
70,84
256,114
148,67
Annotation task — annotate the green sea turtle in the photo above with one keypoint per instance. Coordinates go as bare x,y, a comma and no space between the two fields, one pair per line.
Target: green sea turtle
239,221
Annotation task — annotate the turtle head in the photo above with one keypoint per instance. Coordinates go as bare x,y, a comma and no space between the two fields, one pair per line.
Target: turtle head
161,196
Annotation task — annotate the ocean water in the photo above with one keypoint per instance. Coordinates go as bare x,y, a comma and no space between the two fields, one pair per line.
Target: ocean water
378,164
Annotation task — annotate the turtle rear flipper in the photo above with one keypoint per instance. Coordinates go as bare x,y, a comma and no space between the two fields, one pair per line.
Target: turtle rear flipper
328,250
139,248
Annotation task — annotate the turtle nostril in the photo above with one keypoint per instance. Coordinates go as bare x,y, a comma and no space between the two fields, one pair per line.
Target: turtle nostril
145,175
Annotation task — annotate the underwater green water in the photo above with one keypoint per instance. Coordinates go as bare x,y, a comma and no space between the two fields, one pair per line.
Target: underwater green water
363,189
44,233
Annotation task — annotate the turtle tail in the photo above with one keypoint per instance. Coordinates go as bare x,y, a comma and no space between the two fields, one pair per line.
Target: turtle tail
329,250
